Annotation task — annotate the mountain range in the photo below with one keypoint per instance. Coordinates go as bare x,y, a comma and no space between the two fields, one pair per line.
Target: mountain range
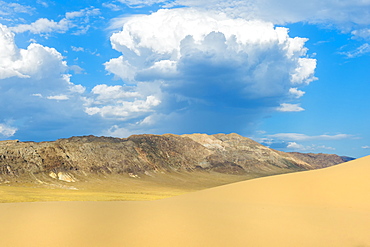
138,156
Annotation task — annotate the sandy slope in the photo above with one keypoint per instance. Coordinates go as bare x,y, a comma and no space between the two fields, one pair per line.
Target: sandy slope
328,207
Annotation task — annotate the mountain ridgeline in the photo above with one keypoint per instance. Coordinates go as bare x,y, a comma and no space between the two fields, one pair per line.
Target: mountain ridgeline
77,158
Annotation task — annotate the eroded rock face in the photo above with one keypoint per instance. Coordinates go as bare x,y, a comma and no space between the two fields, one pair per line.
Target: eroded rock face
67,159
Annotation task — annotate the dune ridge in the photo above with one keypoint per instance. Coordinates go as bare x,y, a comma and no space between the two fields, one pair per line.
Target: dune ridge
327,207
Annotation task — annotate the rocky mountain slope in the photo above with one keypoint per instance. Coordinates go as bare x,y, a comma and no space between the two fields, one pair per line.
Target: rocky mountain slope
137,156
321,160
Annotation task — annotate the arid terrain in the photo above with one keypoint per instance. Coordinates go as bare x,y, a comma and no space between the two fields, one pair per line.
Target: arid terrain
326,207
141,167
213,190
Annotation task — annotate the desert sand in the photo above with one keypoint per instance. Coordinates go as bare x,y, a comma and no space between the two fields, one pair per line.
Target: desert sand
327,207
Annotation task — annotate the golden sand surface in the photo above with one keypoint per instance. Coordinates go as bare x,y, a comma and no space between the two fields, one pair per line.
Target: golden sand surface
327,207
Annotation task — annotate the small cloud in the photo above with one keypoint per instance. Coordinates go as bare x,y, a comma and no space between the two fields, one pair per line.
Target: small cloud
45,4
285,107
294,145
149,120
43,25
83,13
14,8
365,147
112,6
361,33
7,131
77,49
261,132
125,109
359,51
300,147
325,147
303,137
116,131
304,72
82,30
76,69
140,3
37,95
113,93
58,97
81,49
321,42
296,93
78,20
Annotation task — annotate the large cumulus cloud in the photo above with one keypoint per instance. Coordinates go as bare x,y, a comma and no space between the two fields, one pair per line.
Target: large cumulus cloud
210,73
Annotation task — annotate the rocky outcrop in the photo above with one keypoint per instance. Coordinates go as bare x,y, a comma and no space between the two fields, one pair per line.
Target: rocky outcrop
140,155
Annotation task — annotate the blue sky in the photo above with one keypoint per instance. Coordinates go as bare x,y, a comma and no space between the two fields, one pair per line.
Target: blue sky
291,75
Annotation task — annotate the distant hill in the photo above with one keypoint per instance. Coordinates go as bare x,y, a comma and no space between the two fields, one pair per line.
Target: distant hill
321,160
76,158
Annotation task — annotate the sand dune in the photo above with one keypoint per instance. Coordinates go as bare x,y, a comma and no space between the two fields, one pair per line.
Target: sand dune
328,207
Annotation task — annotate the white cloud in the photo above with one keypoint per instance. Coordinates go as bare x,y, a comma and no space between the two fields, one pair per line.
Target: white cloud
77,19
325,147
36,61
43,3
299,147
285,107
148,121
112,6
206,63
174,37
125,110
133,128
303,137
8,8
359,51
300,142
58,97
86,13
365,147
36,89
140,3
304,71
6,130
120,68
296,93
76,69
361,33
77,49
170,28
43,25
122,103
294,145
73,88
108,93
344,13
116,131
